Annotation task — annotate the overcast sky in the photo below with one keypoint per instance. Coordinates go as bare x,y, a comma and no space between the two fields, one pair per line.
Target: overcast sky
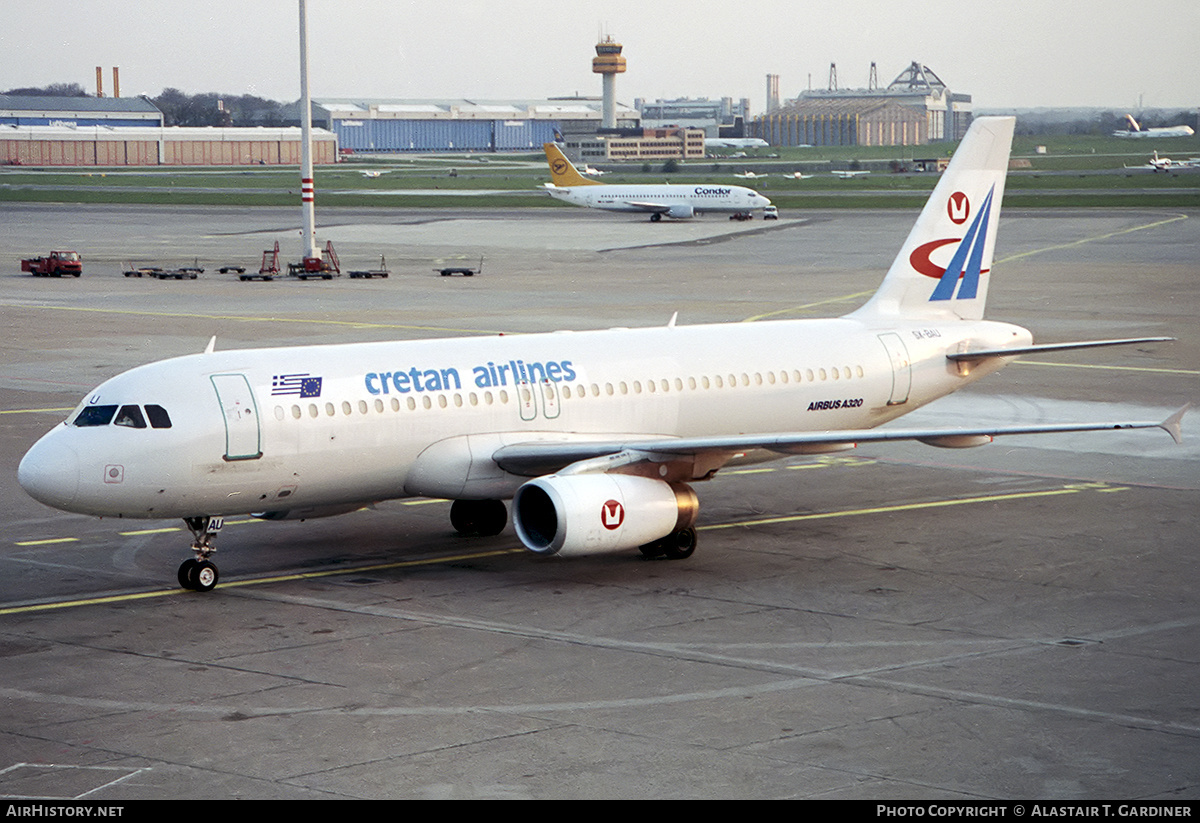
1006,53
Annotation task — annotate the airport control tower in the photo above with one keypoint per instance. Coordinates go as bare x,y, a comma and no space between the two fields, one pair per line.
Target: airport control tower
609,62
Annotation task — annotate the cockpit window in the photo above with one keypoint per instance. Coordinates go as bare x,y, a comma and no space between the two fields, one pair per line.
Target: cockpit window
96,416
159,419
130,416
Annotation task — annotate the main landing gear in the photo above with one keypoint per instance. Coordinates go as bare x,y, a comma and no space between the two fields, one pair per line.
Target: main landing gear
478,518
675,546
199,573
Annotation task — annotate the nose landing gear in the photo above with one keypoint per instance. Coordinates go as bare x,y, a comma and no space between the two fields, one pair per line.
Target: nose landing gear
200,573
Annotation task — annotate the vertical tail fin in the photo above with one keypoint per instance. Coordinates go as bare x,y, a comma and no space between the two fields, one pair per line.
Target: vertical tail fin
944,266
562,172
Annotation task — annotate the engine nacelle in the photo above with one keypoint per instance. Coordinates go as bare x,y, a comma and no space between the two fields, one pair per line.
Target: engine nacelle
597,513
681,212
957,441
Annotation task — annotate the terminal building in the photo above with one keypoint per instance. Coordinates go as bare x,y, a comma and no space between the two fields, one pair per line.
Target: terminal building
916,108
711,116
635,144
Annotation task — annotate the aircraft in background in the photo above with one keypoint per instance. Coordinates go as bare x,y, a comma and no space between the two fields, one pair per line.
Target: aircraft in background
591,172
749,175
846,174
735,143
1135,130
1166,163
596,436
372,174
678,200
799,175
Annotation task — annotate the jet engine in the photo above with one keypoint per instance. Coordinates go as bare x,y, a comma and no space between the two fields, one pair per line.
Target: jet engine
582,514
681,211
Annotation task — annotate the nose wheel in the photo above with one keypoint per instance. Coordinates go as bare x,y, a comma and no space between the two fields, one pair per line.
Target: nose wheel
199,573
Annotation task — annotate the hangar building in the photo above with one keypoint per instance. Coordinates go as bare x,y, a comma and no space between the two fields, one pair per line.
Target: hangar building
458,124
165,146
114,112
915,108
129,131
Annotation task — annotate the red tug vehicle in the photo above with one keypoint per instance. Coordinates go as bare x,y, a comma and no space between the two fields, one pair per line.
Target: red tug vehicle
57,264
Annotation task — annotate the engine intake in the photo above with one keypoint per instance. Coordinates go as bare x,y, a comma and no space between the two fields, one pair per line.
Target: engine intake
599,513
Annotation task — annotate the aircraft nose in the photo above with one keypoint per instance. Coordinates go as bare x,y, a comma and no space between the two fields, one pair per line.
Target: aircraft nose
49,472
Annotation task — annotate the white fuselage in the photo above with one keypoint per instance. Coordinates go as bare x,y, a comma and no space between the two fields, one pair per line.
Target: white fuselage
263,430
1164,131
672,199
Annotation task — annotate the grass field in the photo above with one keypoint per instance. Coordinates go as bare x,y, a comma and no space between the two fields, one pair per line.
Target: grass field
1069,171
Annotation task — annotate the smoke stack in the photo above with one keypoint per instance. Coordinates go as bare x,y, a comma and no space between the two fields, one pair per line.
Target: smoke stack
99,81
116,83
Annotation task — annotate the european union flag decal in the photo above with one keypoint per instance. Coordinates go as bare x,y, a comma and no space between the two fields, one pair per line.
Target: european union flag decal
301,385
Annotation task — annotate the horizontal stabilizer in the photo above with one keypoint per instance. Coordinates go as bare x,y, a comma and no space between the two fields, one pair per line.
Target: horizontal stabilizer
983,354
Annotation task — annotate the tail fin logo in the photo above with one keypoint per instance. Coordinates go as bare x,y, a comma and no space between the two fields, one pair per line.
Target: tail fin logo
559,166
967,263
959,208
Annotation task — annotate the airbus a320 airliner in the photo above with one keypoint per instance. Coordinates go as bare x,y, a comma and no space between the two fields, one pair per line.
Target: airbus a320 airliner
597,437
677,200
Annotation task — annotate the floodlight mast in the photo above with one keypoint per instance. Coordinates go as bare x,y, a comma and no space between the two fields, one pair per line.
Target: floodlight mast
306,160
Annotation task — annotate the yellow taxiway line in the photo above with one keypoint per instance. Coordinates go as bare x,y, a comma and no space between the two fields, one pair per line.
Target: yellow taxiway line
1074,488
848,297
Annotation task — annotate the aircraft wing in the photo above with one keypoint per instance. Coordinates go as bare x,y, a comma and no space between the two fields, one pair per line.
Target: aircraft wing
581,457
642,205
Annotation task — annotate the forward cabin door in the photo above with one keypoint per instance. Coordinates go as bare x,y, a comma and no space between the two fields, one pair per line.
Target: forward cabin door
243,437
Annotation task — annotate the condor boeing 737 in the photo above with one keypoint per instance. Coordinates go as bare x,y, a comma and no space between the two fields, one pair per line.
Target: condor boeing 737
596,436
676,200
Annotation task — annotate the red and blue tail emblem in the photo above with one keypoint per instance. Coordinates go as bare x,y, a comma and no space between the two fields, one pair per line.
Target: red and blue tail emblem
967,264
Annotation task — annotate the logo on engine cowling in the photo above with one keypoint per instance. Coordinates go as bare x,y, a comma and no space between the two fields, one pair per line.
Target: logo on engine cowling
612,514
